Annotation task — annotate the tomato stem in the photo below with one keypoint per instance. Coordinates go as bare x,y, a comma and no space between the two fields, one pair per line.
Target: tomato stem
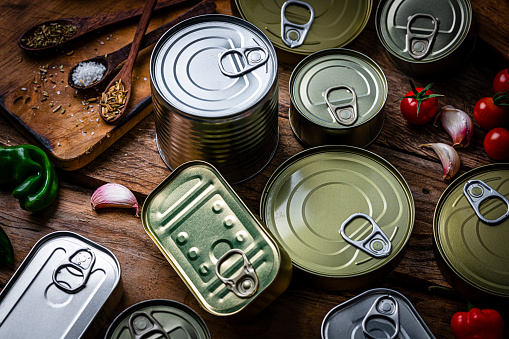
420,96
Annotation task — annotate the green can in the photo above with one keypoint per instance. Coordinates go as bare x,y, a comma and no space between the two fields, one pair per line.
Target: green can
343,214
216,244
337,98
470,231
298,28
426,38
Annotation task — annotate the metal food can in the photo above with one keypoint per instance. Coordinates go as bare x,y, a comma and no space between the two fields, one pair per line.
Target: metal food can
299,28
219,248
67,285
426,38
214,83
168,318
337,97
470,232
377,313
343,214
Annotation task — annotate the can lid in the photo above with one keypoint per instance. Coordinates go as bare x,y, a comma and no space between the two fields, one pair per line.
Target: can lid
213,66
314,193
475,250
338,88
422,31
158,316
333,23
209,236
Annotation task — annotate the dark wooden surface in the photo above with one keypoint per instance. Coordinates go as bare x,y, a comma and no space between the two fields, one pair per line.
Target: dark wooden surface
133,161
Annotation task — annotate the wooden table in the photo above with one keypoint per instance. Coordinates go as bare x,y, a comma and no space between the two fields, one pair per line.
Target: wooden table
298,313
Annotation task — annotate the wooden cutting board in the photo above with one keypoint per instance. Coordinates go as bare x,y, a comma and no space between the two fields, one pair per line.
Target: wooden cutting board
50,112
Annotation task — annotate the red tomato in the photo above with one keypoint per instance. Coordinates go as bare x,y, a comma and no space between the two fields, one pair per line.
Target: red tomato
489,115
496,144
501,81
427,108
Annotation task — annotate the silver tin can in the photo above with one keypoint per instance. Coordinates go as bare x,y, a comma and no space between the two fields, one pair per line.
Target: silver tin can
214,82
377,313
426,38
66,287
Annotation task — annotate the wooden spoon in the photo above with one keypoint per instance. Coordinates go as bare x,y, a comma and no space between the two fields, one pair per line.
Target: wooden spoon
123,78
112,60
86,25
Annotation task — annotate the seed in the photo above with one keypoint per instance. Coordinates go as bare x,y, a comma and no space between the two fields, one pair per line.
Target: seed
16,99
27,99
56,109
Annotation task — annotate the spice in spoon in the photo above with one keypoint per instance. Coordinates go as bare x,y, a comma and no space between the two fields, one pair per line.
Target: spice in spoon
49,35
113,101
86,73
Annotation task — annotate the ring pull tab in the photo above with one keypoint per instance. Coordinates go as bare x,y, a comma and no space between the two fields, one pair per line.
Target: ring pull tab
245,284
143,325
478,191
292,34
419,46
385,307
377,244
78,265
345,114
251,57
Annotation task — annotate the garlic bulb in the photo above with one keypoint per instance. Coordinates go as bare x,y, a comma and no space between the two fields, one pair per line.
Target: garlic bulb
114,195
458,124
448,156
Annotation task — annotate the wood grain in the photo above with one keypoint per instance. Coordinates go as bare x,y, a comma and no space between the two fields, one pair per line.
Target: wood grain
133,160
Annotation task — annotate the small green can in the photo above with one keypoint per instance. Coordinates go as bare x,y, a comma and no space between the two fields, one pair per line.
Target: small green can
216,244
343,214
426,38
337,98
470,231
299,28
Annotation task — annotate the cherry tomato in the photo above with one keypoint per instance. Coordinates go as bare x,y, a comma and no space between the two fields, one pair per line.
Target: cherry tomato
501,81
419,105
490,115
496,144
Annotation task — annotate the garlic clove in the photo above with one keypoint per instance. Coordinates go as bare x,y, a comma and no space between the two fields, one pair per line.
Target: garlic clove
448,156
458,125
114,195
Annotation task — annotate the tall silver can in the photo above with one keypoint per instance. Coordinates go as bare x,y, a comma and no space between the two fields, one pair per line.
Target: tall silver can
214,83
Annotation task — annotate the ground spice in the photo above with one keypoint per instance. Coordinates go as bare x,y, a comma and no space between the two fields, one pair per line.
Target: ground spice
87,72
113,101
49,35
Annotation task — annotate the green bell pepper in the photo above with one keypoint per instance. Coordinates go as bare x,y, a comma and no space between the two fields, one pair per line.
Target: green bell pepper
29,170
6,251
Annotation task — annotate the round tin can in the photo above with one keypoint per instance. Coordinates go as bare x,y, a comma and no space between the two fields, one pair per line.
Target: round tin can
343,214
214,82
168,318
298,28
426,38
337,97
470,232
377,313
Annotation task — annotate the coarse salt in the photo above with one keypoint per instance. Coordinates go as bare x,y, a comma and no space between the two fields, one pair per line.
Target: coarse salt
87,72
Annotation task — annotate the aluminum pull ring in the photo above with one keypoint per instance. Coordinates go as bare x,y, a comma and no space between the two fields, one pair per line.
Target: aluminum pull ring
251,57
289,28
478,191
143,325
377,244
385,307
245,284
83,261
345,114
419,46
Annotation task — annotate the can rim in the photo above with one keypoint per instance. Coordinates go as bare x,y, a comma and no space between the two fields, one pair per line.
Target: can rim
309,58
436,234
283,47
411,60
201,18
320,149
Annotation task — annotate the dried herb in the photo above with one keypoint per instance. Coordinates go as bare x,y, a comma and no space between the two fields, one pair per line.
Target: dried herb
49,35
113,101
